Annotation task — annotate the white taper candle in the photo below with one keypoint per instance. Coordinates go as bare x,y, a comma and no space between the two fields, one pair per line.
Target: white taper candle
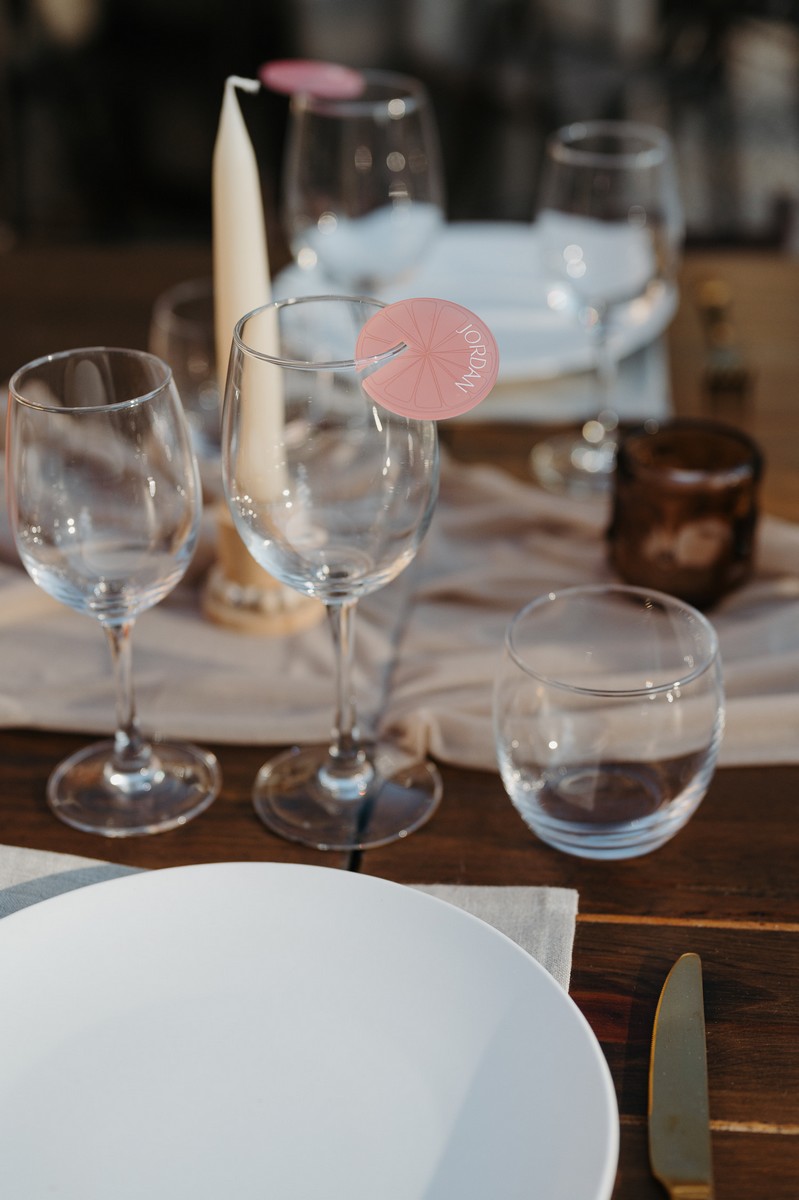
242,281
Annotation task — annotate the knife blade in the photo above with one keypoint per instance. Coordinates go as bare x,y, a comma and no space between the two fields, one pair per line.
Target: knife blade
679,1115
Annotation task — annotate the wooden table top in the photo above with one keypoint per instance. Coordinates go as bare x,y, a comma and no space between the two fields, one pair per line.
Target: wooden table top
727,886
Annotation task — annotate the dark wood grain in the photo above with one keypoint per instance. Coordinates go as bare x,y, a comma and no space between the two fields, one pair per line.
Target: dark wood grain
751,986
56,298
746,1164
727,886
229,830
735,860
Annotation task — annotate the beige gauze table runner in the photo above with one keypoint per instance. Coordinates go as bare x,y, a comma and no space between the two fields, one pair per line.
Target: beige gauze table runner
427,646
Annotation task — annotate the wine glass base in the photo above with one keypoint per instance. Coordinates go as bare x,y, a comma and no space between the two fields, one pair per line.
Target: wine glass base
567,463
185,783
292,803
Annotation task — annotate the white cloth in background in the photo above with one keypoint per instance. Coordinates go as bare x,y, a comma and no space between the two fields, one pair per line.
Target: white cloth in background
495,269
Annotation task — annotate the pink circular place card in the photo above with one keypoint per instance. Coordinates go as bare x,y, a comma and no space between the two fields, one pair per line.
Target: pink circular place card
450,365
330,81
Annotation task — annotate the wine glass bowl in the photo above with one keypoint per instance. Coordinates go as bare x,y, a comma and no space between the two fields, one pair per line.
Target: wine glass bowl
363,192
331,494
104,501
610,227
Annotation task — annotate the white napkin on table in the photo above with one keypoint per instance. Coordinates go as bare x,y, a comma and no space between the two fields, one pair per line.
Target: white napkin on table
539,919
427,646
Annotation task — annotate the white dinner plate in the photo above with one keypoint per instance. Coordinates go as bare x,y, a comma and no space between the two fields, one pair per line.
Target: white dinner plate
494,268
254,1030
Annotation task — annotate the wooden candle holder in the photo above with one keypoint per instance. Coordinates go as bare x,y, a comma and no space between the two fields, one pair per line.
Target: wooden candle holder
241,595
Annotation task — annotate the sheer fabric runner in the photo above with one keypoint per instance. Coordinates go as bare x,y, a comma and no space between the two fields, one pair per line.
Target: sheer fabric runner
427,646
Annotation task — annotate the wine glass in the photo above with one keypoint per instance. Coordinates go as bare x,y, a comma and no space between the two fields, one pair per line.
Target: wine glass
363,193
182,334
104,501
610,225
332,495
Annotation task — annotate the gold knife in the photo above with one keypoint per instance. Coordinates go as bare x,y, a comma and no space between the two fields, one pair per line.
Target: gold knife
679,1116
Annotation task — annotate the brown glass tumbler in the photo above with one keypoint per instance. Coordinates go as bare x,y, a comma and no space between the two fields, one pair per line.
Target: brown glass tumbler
685,508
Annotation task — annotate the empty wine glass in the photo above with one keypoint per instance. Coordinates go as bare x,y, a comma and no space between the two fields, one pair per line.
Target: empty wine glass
332,494
610,225
182,334
363,192
104,501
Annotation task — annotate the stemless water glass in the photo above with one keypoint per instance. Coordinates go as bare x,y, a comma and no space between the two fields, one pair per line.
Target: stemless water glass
610,225
363,191
332,494
608,716
104,501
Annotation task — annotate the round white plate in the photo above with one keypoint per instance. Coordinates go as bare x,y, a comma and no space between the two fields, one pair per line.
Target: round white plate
252,1030
494,269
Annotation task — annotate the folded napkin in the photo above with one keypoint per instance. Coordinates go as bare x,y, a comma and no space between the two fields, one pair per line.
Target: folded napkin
28,876
427,646
539,919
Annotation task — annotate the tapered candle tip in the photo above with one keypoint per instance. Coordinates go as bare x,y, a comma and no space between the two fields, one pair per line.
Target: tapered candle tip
245,85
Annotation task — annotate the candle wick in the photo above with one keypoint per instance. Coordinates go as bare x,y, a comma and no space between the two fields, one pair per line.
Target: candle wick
246,85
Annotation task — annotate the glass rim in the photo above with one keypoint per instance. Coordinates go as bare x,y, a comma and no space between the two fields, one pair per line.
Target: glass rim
636,439
164,314
560,144
398,85
296,364
662,599
59,355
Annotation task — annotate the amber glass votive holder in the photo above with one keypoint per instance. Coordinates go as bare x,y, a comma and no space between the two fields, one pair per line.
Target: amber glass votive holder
685,508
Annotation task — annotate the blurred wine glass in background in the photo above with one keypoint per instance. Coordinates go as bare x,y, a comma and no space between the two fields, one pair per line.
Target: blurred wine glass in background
182,334
610,224
363,190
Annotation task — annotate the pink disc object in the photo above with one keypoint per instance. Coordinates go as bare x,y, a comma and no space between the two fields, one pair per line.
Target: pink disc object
330,81
450,364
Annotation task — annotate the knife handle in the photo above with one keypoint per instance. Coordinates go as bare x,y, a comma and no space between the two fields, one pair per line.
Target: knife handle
691,1191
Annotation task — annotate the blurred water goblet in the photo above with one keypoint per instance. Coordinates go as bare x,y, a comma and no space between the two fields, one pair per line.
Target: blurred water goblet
608,717
363,190
104,500
182,334
335,503
610,224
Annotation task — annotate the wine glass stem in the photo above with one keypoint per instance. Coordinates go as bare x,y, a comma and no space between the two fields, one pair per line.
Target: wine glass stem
347,772
132,754
607,374
600,429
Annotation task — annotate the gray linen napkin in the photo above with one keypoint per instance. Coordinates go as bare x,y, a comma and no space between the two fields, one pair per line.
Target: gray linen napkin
28,876
539,919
